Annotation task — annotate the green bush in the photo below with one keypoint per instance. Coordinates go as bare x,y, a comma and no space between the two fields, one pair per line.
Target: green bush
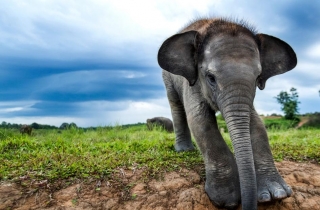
313,122
280,123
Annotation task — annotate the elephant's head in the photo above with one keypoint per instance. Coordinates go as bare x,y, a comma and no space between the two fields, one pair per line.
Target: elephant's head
151,123
228,61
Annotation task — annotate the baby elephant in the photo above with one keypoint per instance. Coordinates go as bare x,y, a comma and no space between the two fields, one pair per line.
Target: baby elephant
163,122
26,129
216,65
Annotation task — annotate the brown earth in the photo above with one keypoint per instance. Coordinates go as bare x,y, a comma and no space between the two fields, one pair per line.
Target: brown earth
174,190
303,121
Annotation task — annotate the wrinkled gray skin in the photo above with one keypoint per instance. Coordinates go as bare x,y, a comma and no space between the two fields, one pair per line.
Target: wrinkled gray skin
163,122
215,64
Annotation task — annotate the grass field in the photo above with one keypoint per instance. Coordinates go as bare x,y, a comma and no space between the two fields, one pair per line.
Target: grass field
76,153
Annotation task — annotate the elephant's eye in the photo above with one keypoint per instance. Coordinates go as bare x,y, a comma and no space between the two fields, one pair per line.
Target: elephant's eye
211,79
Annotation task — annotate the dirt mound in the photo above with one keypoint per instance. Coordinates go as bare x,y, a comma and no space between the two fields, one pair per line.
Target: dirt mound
302,122
175,190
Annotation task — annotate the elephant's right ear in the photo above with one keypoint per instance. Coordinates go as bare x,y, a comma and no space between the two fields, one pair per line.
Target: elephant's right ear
177,55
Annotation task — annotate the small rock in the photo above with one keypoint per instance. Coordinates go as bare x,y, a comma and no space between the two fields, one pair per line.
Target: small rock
163,193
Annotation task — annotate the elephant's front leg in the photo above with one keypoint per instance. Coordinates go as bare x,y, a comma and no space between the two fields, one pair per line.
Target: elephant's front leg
270,184
222,180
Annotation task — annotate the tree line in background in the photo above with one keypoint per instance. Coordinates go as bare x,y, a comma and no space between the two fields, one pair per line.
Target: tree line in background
38,126
288,101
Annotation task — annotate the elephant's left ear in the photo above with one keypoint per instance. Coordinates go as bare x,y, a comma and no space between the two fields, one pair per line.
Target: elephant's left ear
277,57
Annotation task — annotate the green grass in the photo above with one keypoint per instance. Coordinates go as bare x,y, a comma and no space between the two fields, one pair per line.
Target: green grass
297,145
76,153
292,144
280,123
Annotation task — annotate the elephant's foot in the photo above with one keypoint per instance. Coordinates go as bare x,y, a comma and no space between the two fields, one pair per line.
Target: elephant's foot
271,186
224,193
181,146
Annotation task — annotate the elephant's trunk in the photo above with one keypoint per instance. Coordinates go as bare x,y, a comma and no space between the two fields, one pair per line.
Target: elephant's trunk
236,108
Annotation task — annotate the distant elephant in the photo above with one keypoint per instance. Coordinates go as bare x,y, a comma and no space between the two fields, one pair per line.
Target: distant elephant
216,64
163,122
26,129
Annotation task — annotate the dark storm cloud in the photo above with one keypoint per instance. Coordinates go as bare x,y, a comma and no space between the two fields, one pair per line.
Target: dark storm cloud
61,61
35,48
84,85
303,21
47,109
111,93
302,16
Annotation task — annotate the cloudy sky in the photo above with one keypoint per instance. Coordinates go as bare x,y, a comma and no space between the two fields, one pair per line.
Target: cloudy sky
94,62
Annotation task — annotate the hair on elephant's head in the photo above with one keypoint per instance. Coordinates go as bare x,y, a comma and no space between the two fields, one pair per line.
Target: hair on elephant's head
228,60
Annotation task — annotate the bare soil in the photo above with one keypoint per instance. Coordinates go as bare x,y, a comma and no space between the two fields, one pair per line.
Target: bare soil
183,190
303,121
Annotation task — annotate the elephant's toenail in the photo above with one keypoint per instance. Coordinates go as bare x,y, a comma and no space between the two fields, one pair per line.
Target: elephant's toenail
264,197
289,190
278,194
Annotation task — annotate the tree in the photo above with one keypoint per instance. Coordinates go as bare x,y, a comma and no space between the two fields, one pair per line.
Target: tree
64,126
289,103
35,125
73,125
4,124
